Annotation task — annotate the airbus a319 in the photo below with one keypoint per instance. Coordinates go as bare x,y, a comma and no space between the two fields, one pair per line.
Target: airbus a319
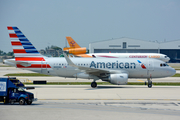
113,70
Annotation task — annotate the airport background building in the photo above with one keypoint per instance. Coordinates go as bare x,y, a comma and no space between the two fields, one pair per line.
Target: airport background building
128,45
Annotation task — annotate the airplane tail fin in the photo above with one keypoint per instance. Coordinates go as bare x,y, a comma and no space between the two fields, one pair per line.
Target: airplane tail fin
22,47
72,43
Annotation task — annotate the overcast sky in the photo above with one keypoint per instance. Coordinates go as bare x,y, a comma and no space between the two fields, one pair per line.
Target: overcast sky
48,22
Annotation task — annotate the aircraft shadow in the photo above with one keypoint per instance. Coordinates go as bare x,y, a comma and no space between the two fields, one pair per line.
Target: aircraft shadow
121,87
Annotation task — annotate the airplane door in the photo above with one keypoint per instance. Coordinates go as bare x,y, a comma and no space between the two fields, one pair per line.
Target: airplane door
150,68
44,67
151,65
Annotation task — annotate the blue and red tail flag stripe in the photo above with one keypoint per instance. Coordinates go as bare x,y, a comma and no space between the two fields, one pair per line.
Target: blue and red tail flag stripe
22,47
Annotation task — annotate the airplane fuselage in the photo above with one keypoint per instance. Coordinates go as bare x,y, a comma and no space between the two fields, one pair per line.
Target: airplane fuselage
132,55
135,68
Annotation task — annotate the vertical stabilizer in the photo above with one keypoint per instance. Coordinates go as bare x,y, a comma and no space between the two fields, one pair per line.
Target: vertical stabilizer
72,43
22,47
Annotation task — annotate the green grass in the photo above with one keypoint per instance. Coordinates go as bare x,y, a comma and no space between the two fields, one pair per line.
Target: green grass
177,69
26,74
176,75
5,66
106,83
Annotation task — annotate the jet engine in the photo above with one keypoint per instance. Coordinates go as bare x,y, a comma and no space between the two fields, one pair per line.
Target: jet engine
118,79
75,50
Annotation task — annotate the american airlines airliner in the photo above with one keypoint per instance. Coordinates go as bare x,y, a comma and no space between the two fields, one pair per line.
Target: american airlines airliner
113,70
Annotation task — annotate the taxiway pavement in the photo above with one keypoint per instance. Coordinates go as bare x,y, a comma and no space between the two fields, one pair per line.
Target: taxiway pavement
79,102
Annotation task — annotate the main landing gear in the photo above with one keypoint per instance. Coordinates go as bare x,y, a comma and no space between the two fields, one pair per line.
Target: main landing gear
149,83
94,84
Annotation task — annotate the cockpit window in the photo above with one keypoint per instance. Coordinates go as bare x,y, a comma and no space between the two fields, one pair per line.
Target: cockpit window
21,89
165,56
163,64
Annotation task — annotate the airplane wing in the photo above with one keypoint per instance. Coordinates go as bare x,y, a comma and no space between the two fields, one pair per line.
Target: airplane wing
93,71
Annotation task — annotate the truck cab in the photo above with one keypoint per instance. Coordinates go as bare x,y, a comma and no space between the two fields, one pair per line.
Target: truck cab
12,90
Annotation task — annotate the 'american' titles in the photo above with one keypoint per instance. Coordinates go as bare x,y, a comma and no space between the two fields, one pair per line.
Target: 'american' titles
116,65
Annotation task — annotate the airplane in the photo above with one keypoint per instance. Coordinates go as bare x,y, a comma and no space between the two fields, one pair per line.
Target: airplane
112,70
76,50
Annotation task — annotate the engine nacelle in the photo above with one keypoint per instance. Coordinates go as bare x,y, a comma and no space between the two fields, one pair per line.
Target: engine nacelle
118,79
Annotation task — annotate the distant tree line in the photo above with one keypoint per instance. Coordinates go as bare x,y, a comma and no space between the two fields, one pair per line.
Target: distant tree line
53,47
2,53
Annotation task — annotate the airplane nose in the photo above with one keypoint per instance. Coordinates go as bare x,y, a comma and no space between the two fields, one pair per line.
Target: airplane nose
172,72
168,58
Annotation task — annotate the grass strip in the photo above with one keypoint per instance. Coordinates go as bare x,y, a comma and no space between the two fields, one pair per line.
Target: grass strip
177,69
26,74
176,75
5,66
106,83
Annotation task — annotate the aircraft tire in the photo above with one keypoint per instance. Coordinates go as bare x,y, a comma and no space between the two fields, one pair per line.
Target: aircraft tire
93,84
150,85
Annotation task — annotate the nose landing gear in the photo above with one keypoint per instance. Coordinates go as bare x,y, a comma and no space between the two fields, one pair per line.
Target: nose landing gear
149,83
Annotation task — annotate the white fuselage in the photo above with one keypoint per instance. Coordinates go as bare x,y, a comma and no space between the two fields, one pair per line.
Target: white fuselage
135,68
132,55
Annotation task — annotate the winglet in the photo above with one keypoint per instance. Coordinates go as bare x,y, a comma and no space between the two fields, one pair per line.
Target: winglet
69,61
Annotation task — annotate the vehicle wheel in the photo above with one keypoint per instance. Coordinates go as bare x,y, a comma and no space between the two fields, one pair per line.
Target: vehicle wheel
22,101
93,84
29,102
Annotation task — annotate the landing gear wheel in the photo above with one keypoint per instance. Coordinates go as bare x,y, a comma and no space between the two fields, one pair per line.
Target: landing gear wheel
150,84
22,101
93,84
